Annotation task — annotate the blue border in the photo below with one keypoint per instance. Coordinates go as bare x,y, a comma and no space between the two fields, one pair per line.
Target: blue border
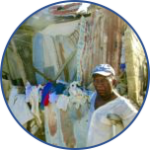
131,138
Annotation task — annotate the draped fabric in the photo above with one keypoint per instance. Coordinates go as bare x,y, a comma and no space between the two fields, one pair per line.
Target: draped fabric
53,45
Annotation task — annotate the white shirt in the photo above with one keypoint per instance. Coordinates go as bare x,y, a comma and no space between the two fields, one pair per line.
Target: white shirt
100,129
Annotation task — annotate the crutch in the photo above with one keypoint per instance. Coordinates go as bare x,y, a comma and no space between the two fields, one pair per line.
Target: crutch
114,119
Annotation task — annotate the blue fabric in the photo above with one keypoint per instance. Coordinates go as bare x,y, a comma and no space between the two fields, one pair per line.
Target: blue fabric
38,58
66,92
53,97
123,67
48,88
28,91
59,88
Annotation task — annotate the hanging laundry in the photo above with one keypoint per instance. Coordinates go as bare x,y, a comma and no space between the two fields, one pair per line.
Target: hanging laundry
79,120
67,126
53,97
48,88
13,93
67,129
80,126
77,96
28,91
62,102
46,100
66,92
59,88
52,123
34,99
19,107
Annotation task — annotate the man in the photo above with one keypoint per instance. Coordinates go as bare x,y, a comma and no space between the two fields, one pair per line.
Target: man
111,112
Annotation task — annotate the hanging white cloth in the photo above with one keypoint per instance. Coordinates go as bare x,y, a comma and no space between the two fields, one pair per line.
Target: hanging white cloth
77,96
34,99
19,107
62,102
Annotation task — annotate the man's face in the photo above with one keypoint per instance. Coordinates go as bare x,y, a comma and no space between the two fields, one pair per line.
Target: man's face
103,85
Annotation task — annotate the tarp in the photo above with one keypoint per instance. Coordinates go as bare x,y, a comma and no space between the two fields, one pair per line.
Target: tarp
53,45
